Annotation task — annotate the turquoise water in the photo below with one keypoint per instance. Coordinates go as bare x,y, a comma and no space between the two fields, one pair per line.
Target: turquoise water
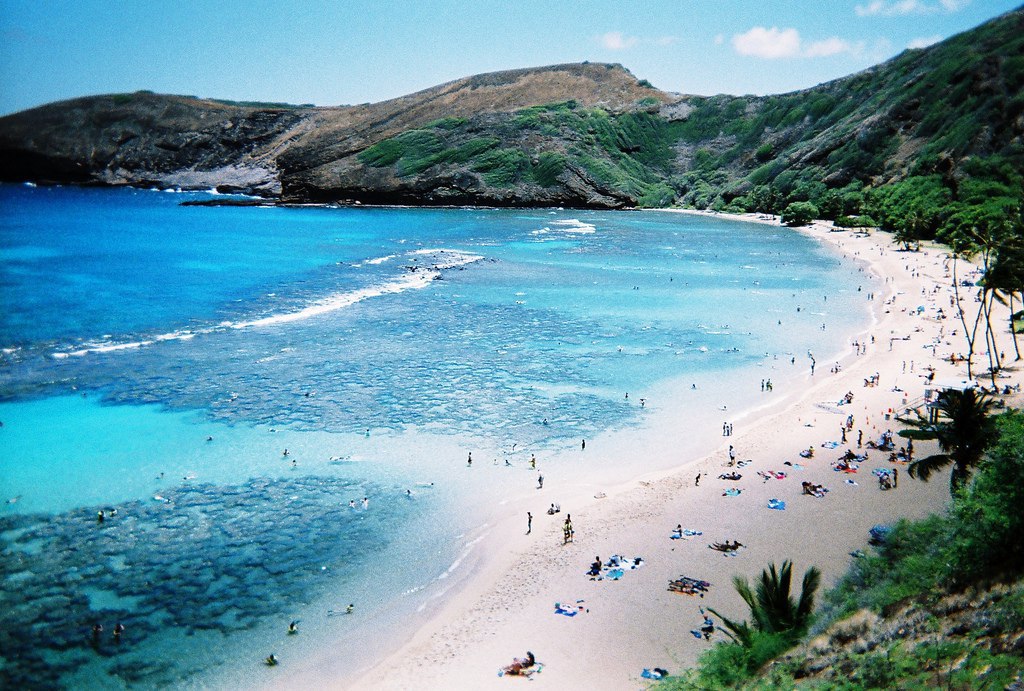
159,359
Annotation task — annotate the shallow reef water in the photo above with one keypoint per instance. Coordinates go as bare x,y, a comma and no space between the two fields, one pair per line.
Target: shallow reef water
200,563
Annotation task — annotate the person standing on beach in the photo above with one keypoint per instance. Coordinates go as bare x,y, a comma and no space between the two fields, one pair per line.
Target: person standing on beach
696,482
469,462
583,445
732,456
529,522
540,482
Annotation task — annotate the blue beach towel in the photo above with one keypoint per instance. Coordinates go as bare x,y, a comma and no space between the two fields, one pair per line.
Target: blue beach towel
777,504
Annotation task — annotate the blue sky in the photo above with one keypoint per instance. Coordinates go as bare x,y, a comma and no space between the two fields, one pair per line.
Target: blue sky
355,51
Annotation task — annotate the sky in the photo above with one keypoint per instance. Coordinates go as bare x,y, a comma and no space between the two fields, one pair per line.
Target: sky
357,51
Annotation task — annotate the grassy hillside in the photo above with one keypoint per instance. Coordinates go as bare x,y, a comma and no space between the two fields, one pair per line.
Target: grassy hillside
903,143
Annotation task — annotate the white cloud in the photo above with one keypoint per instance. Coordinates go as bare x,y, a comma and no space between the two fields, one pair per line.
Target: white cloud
615,40
776,43
767,43
899,8
924,41
829,46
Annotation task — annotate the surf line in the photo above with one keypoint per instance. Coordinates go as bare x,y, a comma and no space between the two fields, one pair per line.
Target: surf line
415,278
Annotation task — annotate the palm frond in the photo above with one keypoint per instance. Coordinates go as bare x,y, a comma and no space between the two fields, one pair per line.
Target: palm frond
923,468
739,632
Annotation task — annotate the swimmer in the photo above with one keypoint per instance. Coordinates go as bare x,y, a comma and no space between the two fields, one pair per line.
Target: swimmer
351,608
293,628
285,453
118,630
271,660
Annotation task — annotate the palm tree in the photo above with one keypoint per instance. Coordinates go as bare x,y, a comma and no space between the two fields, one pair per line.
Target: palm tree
961,424
772,607
1006,278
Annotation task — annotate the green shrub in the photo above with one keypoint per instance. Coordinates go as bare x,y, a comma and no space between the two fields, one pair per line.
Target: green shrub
472,149
987,518
855,222
549,166
446,124
502,167
729,665
799,213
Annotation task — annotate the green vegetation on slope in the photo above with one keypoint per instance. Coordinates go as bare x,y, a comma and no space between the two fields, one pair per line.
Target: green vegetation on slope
626,155
918,144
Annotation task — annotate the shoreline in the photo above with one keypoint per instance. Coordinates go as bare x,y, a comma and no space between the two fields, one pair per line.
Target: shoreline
503,605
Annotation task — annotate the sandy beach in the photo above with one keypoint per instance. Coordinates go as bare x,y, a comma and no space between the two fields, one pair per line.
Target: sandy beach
507,604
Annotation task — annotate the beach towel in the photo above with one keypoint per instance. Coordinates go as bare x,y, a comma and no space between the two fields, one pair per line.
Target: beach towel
732,492
656,673
830,445
686,533
777,504
615,574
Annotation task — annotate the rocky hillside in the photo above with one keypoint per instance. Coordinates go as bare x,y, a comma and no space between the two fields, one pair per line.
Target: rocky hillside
147,139
973,639
577,135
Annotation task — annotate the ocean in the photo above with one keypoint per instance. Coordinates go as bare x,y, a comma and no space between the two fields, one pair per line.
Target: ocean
274,407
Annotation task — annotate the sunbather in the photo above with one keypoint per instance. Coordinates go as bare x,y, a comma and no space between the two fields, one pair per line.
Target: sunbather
521,666
726,546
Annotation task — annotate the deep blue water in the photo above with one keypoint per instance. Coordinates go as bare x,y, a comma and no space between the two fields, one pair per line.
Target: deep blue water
327,332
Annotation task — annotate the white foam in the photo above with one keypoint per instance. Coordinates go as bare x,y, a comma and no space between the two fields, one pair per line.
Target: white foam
416,277
574,225
569,226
